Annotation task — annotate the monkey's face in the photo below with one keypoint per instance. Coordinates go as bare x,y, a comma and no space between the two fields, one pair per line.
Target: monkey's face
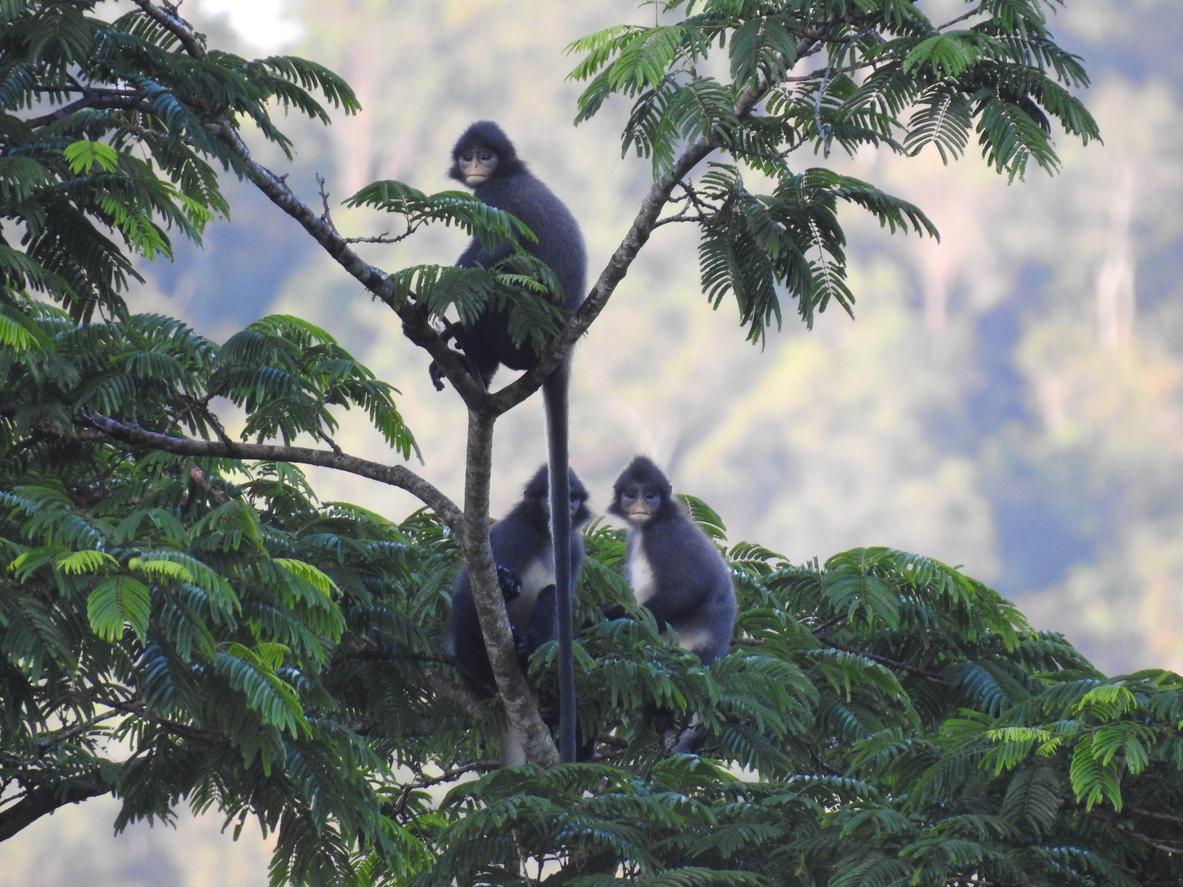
476,164
576,506
639,505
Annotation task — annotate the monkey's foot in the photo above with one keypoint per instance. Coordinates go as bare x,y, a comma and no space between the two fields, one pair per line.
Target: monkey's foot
437,376
511,585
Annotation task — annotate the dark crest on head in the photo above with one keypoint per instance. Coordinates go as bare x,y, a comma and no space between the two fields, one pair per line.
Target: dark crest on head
643,473
539,484
487,134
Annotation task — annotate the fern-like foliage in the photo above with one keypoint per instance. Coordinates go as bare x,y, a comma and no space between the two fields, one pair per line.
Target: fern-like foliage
821,74
289,376
881,719
109,139
274,657
216,623
899,722
286,373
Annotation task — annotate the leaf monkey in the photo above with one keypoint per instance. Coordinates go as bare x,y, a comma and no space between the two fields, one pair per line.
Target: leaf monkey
673,567
676,572
522,550
485,160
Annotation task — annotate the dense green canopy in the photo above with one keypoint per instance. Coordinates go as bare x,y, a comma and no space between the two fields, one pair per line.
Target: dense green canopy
184,622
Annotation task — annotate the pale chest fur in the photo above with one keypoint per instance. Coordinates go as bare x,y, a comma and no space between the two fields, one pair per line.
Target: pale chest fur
640,571
539,574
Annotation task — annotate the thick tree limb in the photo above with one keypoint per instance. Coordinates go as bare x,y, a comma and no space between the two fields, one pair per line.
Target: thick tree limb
520,705
393,475
168,15
40,801
95,98
643,225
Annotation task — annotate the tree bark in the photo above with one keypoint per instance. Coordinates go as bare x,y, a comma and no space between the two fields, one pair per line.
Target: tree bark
39,802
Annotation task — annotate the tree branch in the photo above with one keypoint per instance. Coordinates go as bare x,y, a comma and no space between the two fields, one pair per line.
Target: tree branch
40,801
521,707
622,258
327,215
400,805
49,740
977,10
393,475
415,323
168,15
97,98
893,663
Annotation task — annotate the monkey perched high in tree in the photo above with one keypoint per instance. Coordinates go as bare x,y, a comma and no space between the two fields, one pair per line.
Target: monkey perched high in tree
485,160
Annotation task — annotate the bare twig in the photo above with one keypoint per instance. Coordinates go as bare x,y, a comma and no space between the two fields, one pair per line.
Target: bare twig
447,776
327,216
701,209
48,741
1154,814
822,72
824,131
953,21
893,663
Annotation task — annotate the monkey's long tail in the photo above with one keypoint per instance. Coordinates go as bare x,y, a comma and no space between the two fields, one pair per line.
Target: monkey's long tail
554,392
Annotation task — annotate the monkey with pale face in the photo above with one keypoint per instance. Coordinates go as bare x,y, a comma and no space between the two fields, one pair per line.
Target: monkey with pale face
673,567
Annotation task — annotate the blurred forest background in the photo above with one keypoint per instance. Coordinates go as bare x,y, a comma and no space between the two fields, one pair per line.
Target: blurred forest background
1009,400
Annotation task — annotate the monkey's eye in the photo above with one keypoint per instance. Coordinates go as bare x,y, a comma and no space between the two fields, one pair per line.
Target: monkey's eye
629,494
466,156
486,156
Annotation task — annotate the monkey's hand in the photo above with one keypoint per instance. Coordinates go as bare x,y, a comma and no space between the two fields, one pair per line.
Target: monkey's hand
511,585
616,611
437,376
447,334
417,328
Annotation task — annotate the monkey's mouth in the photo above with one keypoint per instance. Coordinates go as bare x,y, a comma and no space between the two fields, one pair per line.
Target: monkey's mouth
639,514
475,179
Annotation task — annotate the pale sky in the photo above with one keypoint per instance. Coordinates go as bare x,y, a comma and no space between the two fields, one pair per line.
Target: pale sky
262,22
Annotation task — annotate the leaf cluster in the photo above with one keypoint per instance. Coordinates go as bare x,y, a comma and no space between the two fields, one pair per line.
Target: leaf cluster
286,374
896,723
196,630
111,136
761,82
266,655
